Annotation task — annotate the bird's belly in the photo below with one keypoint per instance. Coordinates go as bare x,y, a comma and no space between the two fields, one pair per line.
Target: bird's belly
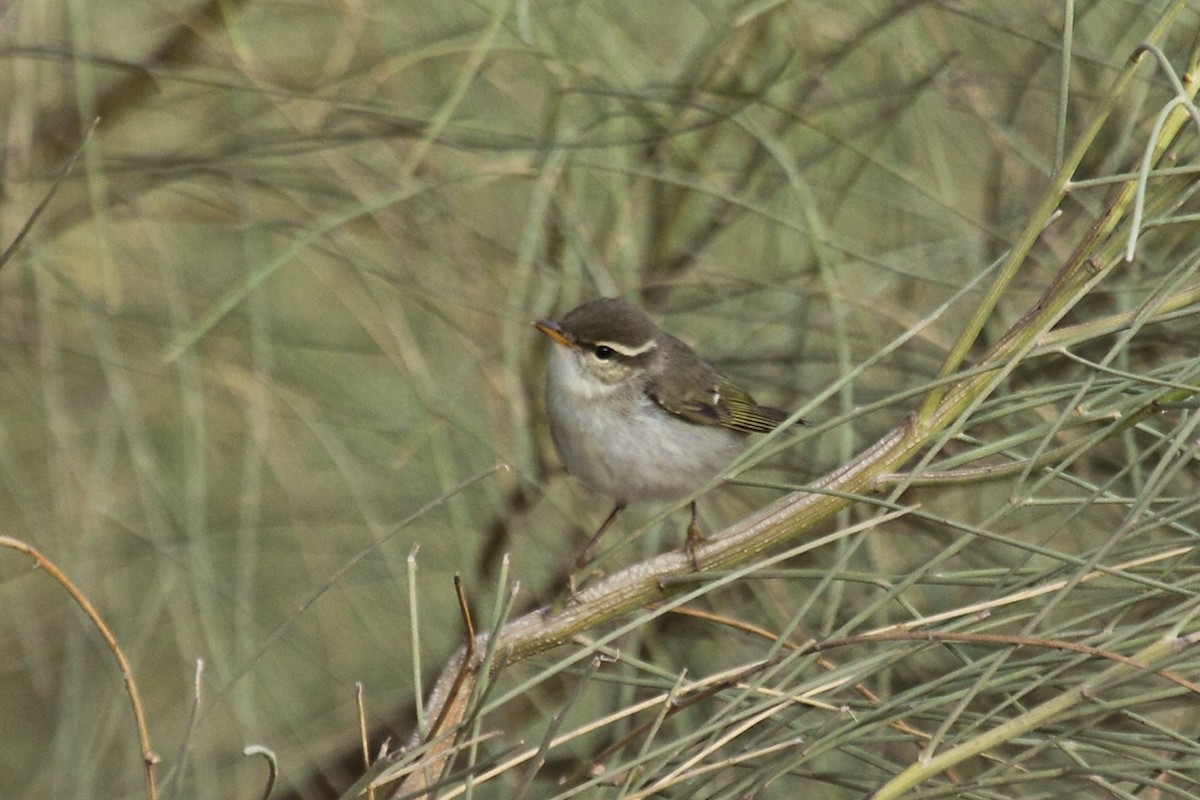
643,456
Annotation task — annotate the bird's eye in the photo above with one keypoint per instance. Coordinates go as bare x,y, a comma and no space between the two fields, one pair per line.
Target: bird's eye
603,352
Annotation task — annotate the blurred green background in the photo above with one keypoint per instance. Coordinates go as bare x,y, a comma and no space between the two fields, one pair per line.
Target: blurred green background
281,302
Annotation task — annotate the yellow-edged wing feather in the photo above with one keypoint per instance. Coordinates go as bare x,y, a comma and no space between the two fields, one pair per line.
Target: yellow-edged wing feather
727,405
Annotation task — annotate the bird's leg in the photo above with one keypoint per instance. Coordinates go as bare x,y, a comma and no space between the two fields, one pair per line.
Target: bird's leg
589,552
694,539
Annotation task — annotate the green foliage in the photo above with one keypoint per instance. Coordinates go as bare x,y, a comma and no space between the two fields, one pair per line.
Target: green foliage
265,342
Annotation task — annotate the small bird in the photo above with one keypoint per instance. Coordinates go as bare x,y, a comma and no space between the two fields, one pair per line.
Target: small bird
636,414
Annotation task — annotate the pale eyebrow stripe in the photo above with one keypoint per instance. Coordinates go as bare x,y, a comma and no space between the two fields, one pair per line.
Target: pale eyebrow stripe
629,352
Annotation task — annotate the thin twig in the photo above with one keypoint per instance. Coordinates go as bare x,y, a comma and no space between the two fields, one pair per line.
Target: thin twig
37,212
362,733
464,609
272,766
149,757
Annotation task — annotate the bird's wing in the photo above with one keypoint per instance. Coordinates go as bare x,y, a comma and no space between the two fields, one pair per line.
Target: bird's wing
724,404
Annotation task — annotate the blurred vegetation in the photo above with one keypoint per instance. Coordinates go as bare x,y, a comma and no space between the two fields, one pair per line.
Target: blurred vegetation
262,348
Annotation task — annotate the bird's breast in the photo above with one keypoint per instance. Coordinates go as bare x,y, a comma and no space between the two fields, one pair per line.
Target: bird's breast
625,446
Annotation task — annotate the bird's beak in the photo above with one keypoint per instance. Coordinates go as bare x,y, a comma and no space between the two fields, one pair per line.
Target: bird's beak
554,331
